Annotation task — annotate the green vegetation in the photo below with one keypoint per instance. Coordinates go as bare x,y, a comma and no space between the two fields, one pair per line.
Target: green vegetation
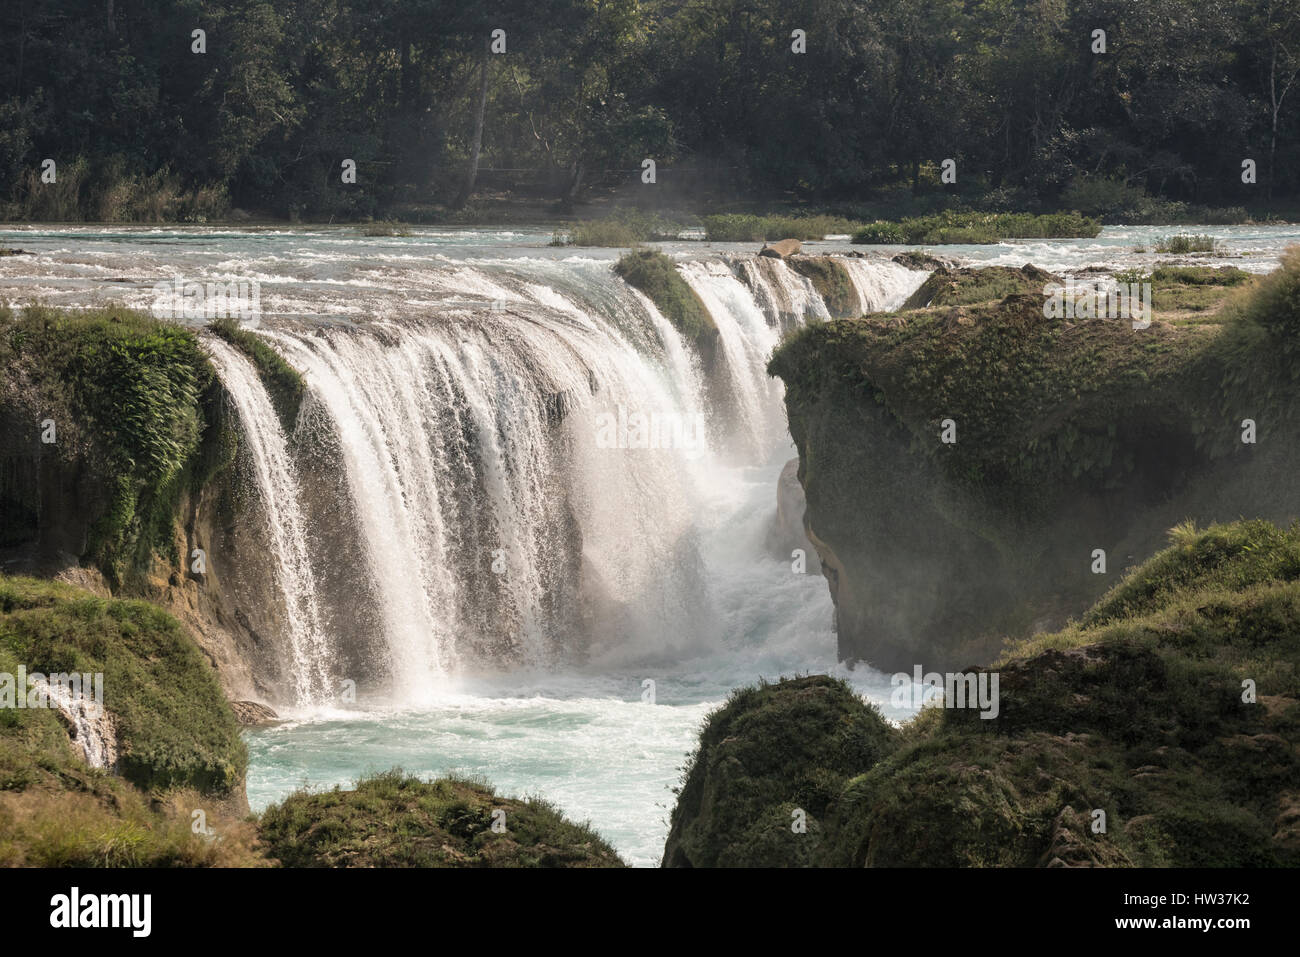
1062,429
1137,710
283,382
624,227
441,130
1187,293
957,228
741,228
125,391
655,275
768,752
1182,244
177,740
831,280
174,727
386,228
394,820
1118,202
961,287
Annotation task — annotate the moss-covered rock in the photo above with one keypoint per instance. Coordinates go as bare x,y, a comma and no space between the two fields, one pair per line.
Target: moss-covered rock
1162,729
964,286
770,762
831,280
175,745
963,465
655,275
395,820
284,384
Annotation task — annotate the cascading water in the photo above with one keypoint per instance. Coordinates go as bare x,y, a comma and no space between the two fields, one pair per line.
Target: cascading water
881,285
281,503
500,525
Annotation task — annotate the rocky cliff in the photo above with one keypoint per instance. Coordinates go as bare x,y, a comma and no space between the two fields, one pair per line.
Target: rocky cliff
982,470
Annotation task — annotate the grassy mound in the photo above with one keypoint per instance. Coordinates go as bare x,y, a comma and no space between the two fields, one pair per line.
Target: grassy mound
179,748
743,228
394,820
283,382
174,726
957,228
655,275
961,287
1139,711
769,753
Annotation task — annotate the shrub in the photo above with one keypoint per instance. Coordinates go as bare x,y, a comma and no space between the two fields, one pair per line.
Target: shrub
1183,243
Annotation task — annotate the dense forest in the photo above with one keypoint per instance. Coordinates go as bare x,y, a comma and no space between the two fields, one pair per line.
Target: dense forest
147,119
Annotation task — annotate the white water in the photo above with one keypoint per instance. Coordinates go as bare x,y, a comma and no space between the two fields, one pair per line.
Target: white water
281,502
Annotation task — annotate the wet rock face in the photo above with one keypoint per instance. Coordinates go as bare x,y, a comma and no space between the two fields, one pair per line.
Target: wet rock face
787,534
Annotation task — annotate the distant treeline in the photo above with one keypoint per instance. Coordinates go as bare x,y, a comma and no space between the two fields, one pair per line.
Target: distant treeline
1018,92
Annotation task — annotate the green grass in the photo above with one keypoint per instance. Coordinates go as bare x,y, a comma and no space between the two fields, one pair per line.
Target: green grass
741,227
624,227
386,228
174,726
396,820
963,287
655,275
959,228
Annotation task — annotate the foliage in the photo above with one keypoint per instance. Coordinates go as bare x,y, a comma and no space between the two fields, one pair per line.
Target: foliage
739,227
591,88
955,228
174,726
1183,243
132,386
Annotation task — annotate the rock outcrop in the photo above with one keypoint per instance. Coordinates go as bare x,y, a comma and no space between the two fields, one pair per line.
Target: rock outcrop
977,471
781,249
1163,729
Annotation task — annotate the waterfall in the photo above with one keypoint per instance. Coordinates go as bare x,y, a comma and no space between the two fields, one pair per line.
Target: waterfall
882,285
500,523
281,504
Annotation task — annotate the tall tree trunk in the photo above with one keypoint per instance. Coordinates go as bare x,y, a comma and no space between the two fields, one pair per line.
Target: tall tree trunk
476,147
108,14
